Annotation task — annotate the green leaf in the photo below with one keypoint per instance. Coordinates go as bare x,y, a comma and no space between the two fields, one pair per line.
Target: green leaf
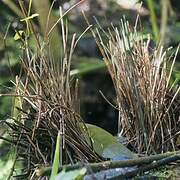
16,104
73,175
18,35
86,65
106,145
30,17
56,160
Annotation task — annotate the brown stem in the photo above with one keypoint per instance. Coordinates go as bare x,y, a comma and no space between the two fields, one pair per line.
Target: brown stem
148,167
95,167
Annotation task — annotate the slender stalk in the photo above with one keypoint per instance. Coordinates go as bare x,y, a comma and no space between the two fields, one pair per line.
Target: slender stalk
164,19
153,19
95,167
148,167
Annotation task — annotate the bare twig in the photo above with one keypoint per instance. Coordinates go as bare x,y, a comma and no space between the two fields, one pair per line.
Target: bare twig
95,167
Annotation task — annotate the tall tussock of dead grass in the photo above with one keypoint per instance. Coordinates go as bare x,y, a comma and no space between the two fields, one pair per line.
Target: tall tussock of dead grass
148,105
47,103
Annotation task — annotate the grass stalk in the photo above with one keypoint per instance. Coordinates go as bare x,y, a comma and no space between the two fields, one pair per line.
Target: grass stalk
141,80
164,19
153,20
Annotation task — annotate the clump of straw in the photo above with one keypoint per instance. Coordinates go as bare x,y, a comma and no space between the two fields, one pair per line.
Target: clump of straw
48,104
148,105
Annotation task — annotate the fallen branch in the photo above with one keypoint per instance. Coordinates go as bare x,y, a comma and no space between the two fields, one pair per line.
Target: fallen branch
95,167
148,167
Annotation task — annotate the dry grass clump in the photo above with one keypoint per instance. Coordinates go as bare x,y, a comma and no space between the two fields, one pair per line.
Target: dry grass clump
148,105
47,103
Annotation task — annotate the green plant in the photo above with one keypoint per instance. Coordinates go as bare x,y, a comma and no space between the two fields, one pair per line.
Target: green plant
153,20
57,160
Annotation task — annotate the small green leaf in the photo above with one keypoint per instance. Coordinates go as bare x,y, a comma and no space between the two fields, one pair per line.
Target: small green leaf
71,175
17,103
86,65
30,17
56,161
18,35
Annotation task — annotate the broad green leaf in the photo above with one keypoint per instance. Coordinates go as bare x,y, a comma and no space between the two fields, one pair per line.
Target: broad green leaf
71,175
43,8
106,145
56,160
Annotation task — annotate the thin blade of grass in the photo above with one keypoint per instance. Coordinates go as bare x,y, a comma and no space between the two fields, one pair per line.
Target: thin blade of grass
56,160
